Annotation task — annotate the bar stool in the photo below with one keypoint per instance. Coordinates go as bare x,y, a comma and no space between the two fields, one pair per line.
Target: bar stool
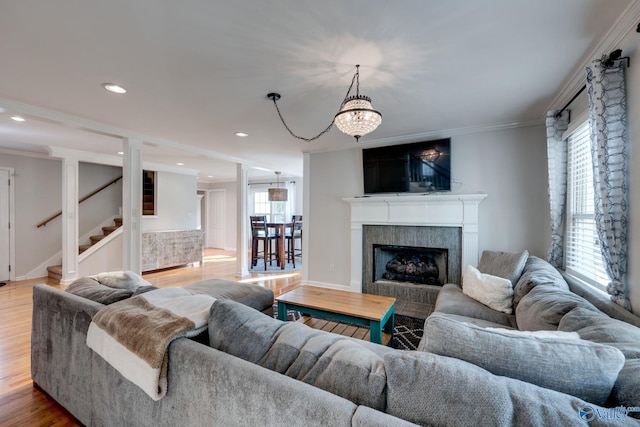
260,233
293,234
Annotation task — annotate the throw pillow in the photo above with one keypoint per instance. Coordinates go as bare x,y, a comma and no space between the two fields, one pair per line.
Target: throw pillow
90,288
537,272
507,265
493,291
578,367
544,306
121,280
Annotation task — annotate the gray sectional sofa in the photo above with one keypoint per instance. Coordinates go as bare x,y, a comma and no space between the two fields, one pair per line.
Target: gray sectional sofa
251,369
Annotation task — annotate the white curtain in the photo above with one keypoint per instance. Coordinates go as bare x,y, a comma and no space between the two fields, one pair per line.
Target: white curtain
609,146
557,122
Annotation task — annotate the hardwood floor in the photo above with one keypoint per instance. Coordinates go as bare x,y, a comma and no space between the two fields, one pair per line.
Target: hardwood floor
22,403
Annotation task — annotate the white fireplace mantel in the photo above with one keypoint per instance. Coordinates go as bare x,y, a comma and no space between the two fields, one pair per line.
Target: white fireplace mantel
437,210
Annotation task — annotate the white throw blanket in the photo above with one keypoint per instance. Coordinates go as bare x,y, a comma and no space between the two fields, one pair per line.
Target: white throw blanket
133,335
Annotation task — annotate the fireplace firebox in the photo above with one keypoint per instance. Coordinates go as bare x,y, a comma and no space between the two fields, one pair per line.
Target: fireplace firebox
409,264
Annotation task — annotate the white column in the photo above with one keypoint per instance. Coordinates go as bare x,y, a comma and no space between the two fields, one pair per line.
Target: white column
132,205
242,255
306,214
69,220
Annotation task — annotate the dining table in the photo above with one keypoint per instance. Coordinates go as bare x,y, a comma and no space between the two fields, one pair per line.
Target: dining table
280,228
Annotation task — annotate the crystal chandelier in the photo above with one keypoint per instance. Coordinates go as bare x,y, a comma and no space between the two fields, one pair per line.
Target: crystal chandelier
356,116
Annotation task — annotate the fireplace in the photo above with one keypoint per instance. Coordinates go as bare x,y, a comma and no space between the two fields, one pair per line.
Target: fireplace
410,264
448,221
407,247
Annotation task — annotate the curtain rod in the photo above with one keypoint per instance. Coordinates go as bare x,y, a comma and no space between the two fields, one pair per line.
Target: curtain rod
270,183
613,56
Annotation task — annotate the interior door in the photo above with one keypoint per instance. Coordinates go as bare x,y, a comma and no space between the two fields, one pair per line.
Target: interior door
215,229
5,246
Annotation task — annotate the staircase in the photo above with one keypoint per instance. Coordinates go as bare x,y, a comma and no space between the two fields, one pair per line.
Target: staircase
55,271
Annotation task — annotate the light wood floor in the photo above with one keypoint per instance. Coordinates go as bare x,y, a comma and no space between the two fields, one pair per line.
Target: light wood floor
23,404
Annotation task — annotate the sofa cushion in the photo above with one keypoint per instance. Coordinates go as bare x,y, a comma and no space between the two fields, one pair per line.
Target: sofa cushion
250,295
601,328
325,360
433,390
570,365
598,327
451,300
544,306
493,291
626,390
473,321
508,265
537,272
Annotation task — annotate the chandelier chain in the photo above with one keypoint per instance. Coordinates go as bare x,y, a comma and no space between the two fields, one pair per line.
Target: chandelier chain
355,78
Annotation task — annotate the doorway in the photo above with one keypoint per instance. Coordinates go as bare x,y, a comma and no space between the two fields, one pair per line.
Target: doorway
7,239
215,219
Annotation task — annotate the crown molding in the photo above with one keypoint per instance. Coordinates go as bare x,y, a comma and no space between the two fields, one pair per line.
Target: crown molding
628,21
435,134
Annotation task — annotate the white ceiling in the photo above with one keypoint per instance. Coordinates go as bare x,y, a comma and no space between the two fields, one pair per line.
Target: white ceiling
199,71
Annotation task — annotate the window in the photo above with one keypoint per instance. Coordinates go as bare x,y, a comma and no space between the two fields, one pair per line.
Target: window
583,257
261,203
148,192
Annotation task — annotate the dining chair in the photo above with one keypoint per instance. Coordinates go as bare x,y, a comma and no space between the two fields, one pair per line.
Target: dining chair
260,233
294,233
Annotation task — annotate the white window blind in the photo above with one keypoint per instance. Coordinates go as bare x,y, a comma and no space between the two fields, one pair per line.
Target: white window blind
583,255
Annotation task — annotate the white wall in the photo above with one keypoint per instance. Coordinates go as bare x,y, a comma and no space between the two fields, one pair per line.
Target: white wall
509,165
176,203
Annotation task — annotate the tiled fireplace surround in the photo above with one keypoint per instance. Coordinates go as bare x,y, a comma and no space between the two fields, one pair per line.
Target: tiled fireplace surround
445,221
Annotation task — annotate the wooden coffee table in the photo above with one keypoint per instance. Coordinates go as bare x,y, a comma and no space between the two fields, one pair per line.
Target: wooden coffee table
373,311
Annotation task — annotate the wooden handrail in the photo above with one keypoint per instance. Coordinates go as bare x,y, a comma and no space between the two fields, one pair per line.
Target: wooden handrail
93,193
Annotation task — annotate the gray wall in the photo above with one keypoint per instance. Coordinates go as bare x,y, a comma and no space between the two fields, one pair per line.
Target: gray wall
509,165
176,203
38,195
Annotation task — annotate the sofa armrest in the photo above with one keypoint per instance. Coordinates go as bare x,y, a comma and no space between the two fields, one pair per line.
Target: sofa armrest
60,358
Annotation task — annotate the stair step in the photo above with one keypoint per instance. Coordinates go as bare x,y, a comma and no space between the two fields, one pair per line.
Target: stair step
83,248
55,272
109,230
118,222
96,239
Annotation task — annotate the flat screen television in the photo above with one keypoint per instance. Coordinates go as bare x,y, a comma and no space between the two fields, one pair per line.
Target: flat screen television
419,167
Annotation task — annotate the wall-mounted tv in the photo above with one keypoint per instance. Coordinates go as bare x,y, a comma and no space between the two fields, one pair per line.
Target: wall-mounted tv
419,167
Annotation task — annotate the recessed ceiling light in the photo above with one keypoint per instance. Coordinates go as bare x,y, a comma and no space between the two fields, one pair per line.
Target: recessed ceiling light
121,153
112,87
180,164
17,118
242,134
209,176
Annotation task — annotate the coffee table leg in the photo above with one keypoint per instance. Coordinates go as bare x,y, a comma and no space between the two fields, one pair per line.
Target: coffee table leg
375,331
282,311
